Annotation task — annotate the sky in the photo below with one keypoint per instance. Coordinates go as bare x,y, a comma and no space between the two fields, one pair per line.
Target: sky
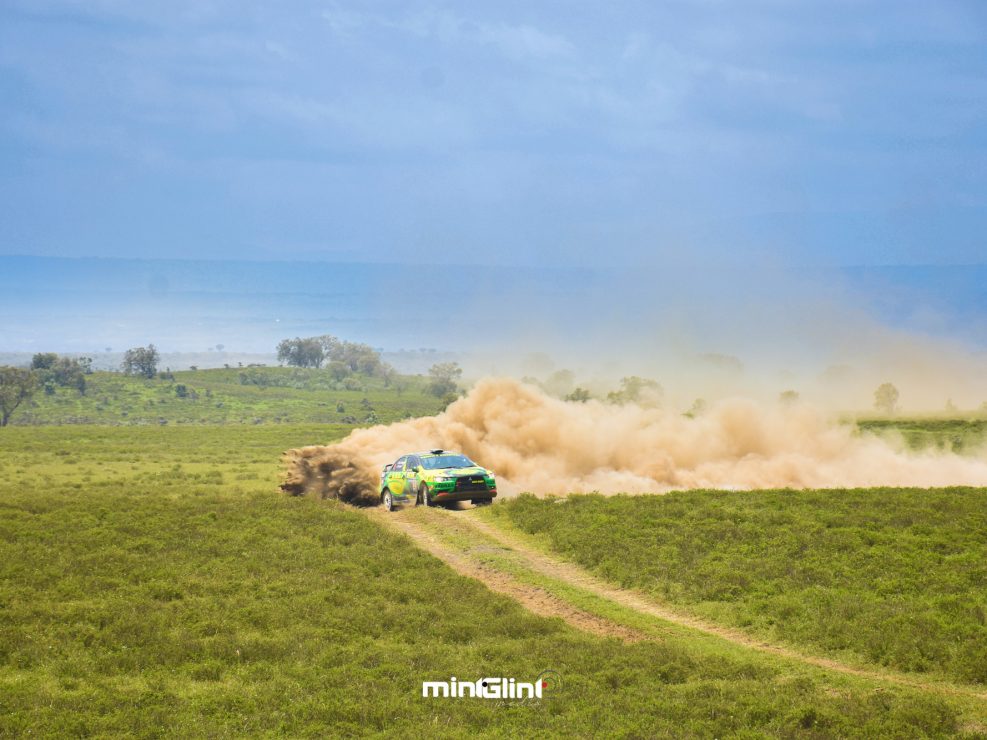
620,134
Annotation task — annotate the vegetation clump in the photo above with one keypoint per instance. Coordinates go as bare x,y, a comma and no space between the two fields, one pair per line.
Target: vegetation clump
889,577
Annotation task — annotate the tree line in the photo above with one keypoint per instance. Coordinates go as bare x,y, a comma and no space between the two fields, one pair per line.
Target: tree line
342,358
49,371
337,354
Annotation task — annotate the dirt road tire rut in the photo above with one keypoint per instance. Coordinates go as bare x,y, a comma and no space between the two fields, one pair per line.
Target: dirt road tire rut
540,601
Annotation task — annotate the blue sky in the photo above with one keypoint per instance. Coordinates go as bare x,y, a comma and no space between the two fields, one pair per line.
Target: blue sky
580,133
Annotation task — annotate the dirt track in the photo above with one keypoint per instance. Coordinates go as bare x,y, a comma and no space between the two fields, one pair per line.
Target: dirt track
536,600
465,539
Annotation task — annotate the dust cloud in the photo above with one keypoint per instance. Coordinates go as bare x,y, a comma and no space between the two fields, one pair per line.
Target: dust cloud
537,443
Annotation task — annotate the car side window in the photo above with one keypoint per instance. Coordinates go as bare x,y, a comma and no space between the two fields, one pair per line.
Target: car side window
399,465
413,463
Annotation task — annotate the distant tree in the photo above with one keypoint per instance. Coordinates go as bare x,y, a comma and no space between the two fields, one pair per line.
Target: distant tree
560,383
449,398
43,360
724,363
353,356
16,386
389,375
220,347
181,391
108,349
300,352
787,398
951,407
361,358
578,395
338,370
443,377
886,399
71,373
698,408
331,345
634,389
141,361
67,372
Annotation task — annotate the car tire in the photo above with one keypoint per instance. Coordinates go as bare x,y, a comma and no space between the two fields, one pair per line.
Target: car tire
423,496
387,500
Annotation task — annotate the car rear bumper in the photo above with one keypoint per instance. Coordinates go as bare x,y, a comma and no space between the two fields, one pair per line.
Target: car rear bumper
441,496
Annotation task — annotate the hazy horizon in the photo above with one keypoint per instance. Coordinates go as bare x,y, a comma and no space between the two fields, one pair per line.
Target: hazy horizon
703,331
247,302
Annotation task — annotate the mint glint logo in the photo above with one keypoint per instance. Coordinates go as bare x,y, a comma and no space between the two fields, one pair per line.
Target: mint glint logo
547,683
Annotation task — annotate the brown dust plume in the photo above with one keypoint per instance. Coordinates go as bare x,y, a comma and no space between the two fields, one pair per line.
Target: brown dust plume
540,444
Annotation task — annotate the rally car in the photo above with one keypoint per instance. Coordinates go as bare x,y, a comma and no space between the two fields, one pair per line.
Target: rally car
433,478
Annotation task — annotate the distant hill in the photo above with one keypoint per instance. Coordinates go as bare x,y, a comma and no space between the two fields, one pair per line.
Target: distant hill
249,395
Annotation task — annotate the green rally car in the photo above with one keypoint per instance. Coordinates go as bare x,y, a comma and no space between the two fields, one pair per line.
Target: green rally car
435,477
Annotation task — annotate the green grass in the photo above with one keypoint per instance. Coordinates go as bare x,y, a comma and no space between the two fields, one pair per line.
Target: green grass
957,435
889,577
153,582
233,396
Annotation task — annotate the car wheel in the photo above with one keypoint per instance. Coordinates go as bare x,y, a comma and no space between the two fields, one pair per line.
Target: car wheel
387,500
423,496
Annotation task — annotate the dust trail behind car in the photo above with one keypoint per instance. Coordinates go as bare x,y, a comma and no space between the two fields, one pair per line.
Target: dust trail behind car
541,444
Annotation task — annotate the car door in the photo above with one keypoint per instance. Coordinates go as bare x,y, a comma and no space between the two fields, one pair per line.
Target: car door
411,475
395,477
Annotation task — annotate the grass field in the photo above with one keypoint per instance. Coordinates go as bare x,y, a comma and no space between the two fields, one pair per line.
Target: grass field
890,577
958,435
251,395
153,582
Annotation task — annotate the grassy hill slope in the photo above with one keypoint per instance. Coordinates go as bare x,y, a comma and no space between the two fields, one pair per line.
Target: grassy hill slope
232,396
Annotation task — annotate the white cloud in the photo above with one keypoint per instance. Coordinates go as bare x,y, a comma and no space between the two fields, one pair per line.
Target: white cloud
513,41
522,41
281,51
